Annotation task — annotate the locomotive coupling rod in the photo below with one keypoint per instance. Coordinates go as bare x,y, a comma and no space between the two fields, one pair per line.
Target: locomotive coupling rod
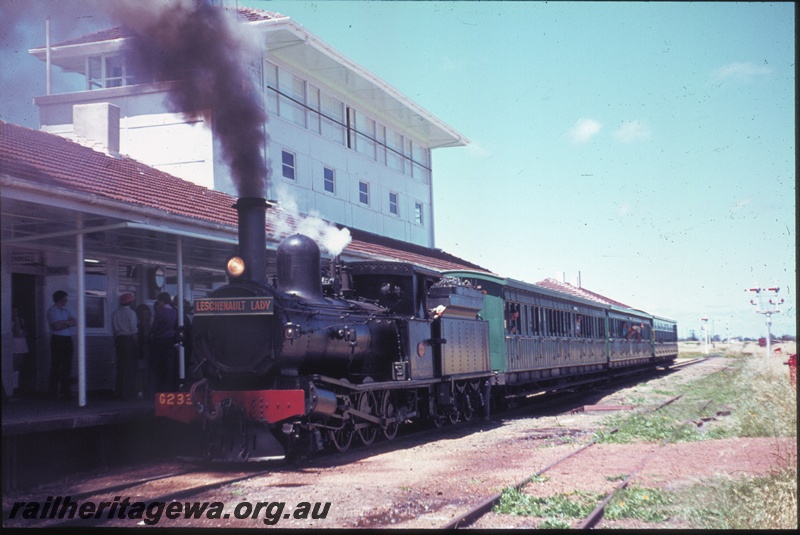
365,416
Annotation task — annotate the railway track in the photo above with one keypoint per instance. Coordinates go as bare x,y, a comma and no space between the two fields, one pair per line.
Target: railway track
472,515
173,486
184,483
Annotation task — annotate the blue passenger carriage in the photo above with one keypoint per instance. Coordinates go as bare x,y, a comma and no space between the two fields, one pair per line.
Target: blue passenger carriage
665,340
629,337
538,336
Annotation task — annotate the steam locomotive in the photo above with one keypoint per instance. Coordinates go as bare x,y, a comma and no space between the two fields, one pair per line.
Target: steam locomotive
310,361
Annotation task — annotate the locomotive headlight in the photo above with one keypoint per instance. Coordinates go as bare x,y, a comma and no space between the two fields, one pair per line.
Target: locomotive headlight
290,331
235,266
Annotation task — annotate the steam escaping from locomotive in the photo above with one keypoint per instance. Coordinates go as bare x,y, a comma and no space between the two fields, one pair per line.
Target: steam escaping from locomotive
206,53
289,221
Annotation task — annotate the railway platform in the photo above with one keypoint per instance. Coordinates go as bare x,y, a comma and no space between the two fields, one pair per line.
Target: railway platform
45,439
36,415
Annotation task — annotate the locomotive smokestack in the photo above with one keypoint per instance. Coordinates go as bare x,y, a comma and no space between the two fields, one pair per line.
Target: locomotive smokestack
252,236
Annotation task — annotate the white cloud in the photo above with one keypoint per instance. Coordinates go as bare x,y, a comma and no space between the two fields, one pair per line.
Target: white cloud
584,130
631,131
740,71
477,150
739,206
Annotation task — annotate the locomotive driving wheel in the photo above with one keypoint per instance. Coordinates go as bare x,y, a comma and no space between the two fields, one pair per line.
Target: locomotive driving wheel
342,437
367,404
465,401
453,415
389,410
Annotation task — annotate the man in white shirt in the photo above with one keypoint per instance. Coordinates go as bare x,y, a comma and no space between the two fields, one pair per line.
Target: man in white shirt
125,326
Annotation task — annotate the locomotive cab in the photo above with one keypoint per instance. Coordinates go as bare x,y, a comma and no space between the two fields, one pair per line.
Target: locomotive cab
402,289
399,287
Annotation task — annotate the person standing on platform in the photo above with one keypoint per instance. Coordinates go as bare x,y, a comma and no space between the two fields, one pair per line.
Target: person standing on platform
19,350
163,360
125,326
61,324
145,321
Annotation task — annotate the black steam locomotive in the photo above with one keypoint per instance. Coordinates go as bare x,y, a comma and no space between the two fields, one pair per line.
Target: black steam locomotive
300,365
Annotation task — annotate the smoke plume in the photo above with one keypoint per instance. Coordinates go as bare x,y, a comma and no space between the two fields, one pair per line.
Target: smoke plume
207,53
288,220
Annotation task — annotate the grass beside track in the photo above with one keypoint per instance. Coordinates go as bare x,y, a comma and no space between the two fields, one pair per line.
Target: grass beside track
751,397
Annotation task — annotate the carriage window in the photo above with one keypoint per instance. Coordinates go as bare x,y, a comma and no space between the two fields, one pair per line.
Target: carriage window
523,321
512,318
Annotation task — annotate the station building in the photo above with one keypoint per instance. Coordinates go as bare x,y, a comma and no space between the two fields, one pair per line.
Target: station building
342,142
117,193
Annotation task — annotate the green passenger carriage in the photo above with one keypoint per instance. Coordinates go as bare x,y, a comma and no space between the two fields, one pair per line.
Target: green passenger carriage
540,338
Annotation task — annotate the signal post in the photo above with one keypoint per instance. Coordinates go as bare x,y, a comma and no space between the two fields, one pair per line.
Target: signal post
768,308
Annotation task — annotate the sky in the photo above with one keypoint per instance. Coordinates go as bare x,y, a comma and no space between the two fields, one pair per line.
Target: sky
649,146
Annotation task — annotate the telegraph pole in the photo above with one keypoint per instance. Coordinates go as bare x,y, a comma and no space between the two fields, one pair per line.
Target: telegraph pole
768,308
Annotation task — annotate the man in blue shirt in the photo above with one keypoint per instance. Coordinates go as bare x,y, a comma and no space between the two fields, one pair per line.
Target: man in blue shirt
61,324
163,358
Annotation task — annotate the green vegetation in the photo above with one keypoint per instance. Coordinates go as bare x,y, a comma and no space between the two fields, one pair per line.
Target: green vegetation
641,503
765,407
752,397
556,507
768,502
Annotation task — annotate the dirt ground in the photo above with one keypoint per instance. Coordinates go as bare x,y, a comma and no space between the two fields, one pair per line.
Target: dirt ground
424,482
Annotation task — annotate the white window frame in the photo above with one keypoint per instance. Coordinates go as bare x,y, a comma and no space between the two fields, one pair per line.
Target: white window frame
332,180
285,166
102,80
363,192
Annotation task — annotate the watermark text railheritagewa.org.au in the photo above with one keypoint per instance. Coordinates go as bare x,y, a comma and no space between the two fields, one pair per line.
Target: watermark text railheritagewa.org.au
152,512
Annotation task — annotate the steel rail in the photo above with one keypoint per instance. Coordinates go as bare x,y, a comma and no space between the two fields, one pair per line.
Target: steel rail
597,514
485,506
167,497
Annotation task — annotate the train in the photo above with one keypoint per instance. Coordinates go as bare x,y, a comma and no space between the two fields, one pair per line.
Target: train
319,356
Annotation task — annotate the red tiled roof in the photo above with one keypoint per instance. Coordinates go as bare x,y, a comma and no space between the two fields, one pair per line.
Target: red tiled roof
55,161
565,287
52,160
121,32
